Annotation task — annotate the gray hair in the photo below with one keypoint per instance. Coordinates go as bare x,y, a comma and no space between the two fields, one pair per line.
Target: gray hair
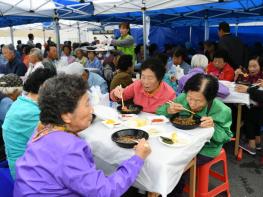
36,52
199,60
10,47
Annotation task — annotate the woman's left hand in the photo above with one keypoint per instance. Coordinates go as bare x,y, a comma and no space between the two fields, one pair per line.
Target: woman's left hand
241,88
206,122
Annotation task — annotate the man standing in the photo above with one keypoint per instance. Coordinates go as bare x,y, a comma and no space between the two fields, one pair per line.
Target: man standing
14,64
30,41
234,47
50,61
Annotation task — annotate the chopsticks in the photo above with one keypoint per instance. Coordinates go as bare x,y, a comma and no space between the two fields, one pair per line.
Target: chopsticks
171,102
122,101
254,85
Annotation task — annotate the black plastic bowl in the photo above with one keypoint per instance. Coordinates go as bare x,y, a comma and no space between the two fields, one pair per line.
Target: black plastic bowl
93,118
186,127
136,109
139,134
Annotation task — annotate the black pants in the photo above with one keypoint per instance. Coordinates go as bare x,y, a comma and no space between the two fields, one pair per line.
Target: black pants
253,119
178,190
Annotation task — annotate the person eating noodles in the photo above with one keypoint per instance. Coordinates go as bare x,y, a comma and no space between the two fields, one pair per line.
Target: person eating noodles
57,162
150,91
199,97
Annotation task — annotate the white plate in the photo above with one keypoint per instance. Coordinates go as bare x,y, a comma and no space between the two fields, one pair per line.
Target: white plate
110,123
182,140
136,123
105,113
158,119
154,130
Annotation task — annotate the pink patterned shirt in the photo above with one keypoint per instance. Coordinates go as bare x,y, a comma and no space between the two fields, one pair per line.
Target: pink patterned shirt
149,102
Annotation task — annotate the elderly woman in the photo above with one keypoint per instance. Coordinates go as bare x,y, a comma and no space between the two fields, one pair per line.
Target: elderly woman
59,163
22,117
11,87
35,60
199,64
253,114
150,91
67,54
80,56
199,97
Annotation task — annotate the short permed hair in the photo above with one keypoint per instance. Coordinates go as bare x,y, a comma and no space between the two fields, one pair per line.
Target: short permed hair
156,66
125,62
196,82
37,78
60,95
224,26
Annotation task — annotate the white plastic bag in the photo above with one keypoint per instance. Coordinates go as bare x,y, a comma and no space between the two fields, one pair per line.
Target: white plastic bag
97,98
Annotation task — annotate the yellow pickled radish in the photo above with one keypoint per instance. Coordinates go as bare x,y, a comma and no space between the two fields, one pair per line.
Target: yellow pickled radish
174,137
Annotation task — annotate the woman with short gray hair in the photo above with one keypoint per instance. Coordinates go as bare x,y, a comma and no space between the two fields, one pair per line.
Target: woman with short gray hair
35,61
57,161
199,64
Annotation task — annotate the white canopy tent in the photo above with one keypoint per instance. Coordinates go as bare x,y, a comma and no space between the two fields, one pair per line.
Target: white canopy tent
129,6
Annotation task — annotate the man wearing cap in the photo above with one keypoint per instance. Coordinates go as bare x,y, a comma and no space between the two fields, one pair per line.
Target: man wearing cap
93,79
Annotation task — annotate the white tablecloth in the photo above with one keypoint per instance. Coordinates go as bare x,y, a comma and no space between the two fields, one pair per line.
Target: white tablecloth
235,97
165,165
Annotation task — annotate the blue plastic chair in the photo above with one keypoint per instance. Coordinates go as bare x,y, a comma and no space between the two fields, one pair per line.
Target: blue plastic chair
6,181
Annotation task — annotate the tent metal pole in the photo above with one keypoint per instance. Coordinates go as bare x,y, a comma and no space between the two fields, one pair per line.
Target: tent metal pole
190,34
12,35
236,29
78,32
144,33
206,30
44,35
56,20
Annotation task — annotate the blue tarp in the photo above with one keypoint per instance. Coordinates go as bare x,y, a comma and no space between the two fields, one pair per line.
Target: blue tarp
163,35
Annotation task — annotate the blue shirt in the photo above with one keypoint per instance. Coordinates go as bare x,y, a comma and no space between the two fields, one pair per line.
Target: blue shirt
95,64
3,63
20,122
96,80
5,104
183,65
16,66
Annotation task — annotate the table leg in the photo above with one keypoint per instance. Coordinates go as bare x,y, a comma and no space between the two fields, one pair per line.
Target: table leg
192,183
239,113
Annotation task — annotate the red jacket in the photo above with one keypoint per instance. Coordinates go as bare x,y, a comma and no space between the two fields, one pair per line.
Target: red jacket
227,73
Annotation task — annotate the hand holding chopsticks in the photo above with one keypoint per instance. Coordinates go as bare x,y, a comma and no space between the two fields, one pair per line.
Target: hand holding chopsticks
174,107
118,92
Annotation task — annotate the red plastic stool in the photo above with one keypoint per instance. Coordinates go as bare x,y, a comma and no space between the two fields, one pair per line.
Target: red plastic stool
203,173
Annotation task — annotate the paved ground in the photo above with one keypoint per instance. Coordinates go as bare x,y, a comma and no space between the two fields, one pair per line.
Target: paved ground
246,176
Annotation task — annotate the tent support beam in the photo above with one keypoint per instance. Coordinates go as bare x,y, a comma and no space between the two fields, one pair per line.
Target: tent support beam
44,35
190,34
78,32
236,29
12,35
144,34
56,20
206,30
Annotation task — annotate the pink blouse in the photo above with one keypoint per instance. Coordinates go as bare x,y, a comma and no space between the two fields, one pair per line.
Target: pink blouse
150,103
